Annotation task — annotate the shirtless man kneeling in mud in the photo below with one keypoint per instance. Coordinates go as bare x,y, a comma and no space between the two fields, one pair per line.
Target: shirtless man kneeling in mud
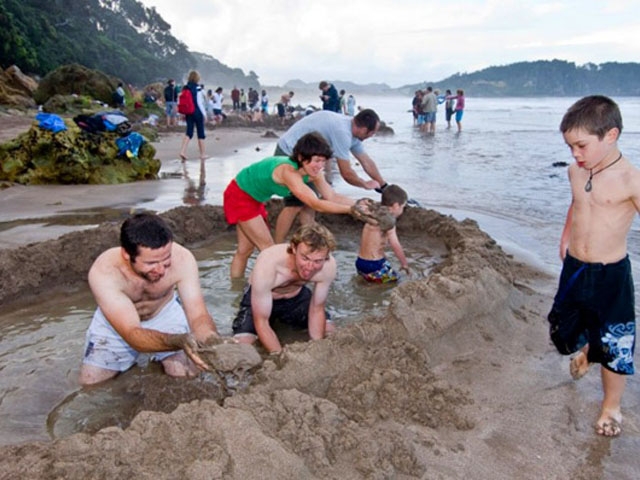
276,288
138,308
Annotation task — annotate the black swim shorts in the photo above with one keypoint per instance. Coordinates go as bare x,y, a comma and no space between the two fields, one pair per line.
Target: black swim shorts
290,311
595,305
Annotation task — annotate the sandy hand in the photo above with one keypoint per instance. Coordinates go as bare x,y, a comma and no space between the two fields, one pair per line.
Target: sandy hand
215,339
386,221
369,211
362,211
187,343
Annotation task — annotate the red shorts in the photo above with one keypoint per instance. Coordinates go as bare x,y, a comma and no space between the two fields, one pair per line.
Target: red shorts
239,206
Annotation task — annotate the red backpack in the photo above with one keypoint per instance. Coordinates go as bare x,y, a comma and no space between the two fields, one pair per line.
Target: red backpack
185,102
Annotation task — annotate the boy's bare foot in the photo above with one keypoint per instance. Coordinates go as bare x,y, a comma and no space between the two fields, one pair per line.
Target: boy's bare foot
183,157
579,365
609,424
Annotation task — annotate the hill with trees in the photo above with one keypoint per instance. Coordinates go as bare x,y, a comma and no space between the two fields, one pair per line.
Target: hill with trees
122,38
543,78
127,40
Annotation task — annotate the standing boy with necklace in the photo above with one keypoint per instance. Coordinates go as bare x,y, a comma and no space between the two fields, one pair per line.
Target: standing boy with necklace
593,312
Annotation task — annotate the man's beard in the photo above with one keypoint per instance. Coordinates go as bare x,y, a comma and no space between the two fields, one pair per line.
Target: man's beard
151,278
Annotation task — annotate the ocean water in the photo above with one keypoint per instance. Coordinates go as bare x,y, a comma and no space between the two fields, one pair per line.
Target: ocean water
498,171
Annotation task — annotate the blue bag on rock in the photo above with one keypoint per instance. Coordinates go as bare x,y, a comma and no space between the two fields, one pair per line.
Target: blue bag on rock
130,145
49,121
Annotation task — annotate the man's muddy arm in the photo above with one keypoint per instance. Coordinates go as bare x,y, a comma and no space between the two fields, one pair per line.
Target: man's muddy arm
261,306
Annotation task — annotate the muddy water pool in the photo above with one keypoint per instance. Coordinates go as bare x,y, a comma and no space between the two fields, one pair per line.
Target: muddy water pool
41,346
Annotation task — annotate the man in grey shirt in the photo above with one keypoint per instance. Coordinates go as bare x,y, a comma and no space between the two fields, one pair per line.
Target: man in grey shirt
429,109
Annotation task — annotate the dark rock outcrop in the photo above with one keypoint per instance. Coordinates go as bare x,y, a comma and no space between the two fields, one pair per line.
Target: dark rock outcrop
16,88
76,79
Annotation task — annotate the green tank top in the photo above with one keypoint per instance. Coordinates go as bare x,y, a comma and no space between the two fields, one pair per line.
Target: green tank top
257,179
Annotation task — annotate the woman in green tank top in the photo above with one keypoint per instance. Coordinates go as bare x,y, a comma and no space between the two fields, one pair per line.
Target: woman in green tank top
246,195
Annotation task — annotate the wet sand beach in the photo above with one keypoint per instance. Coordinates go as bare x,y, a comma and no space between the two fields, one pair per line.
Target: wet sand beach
455,378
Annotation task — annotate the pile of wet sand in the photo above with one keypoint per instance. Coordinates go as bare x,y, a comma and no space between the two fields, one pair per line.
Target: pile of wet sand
457,379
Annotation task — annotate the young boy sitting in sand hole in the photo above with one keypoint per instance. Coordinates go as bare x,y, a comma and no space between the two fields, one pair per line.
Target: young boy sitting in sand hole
593,311
372,265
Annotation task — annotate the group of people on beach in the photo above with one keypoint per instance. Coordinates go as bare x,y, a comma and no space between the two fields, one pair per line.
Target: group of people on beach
149,297
209,107
424,107
155,277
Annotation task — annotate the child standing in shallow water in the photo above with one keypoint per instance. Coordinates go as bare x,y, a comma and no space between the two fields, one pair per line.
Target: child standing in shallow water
593,312
372,264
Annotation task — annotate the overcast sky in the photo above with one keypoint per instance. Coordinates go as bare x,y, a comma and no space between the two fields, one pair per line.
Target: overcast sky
400,42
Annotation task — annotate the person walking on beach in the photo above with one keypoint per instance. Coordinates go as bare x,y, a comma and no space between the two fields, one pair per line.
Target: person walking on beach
197,118
171,103
277,289
218,98
372,264
245,196
149,300
459,109
345,135
593,311
329,96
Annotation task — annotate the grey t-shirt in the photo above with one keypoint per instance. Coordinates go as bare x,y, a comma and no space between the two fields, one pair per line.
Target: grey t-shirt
430,103
334,127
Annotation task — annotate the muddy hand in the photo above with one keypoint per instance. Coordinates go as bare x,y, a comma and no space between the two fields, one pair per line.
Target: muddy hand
187,343
362,211
279,358
213,340
386,221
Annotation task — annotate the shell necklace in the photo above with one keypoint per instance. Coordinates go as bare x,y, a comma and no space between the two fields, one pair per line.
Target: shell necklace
588,186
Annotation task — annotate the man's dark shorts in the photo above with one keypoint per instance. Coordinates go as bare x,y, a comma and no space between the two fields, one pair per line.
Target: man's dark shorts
290,311
595,305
